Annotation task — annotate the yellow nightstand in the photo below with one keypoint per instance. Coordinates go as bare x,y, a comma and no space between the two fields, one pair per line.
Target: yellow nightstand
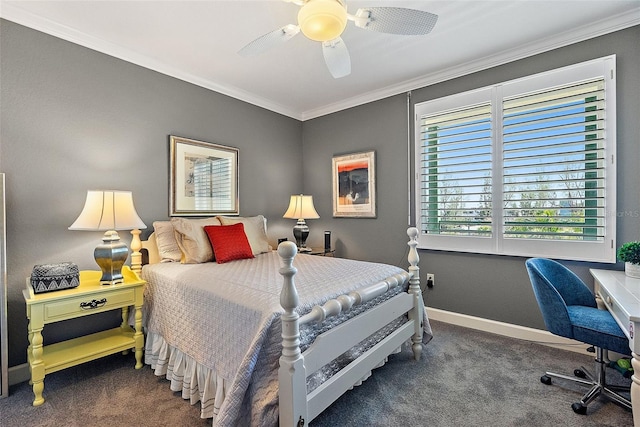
90,297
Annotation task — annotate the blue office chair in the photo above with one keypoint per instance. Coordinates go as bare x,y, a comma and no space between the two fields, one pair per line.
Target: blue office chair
569,309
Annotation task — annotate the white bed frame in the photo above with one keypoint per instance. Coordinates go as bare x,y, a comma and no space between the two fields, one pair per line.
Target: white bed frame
297,408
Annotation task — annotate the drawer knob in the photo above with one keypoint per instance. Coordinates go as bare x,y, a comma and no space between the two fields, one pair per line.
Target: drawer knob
608,299
93,304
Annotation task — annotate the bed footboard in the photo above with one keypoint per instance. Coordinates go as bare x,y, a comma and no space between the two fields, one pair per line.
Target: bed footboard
297,407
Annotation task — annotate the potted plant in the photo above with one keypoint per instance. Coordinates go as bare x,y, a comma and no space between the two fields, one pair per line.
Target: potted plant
629,253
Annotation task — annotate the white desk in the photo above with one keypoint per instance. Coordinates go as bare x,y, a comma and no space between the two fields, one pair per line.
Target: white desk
620,294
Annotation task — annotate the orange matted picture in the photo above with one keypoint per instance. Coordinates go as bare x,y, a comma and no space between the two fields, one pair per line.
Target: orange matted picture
354,189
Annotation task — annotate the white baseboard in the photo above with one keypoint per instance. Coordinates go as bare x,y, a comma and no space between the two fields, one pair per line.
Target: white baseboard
508,330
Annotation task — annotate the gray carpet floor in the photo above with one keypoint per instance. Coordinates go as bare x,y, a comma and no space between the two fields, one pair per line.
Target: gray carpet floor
465,378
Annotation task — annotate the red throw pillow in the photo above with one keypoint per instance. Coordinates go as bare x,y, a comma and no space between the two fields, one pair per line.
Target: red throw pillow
229,242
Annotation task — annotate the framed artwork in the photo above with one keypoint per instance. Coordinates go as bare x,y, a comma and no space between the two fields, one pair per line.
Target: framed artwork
354,185
203,178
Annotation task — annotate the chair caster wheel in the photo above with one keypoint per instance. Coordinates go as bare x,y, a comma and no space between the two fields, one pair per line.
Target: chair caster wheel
579,373
579,408
545,379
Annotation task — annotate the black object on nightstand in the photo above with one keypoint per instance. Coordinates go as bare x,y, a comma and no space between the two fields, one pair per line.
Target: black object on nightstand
322,252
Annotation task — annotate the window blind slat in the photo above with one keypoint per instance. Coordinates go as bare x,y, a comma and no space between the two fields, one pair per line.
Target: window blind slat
553,139
456,169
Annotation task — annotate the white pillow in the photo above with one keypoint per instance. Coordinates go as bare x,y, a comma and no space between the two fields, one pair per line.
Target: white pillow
192,239
168,248
254,228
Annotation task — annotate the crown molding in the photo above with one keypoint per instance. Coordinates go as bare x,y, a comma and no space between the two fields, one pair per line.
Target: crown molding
14,13
575,35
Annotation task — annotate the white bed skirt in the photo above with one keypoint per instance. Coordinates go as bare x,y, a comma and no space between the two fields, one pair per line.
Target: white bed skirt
196,382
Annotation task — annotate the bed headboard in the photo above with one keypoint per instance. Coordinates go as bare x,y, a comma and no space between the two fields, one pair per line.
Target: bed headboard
143,252
146,252
150,253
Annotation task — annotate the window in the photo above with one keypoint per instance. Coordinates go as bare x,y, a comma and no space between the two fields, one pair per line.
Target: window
526,167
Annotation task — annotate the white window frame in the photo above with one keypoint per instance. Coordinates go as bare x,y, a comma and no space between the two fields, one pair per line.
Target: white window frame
594,251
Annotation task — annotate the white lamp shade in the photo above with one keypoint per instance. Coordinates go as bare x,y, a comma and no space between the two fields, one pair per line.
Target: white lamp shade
301,207
108,210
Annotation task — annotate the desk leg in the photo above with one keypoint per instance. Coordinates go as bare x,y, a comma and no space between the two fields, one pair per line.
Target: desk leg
635,389
139,338
36,365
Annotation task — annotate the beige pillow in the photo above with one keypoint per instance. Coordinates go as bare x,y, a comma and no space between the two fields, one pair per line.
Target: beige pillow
168,248
192,239
254,228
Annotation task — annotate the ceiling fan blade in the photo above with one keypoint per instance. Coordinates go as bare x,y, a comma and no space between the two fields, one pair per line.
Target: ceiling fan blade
336,55
395,20
269,40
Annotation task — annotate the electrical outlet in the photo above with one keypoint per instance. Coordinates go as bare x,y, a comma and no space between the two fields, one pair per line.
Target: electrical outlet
431,281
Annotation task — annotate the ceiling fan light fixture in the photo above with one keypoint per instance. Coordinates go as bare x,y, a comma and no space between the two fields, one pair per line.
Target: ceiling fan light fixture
322,20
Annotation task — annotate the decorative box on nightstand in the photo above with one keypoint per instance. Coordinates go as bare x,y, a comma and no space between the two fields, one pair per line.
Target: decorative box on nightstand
90,297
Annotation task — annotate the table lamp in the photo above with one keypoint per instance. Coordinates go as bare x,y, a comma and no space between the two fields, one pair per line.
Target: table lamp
301,208
110,211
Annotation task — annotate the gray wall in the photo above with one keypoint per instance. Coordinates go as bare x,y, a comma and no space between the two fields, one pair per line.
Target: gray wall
380,126
492,287
73,119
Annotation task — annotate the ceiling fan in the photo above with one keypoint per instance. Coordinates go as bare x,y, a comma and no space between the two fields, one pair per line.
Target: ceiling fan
325,20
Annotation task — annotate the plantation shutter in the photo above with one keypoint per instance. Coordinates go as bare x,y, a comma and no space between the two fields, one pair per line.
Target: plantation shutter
455,171
553,163
525,167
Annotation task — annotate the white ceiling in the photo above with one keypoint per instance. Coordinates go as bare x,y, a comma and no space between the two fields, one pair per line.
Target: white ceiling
197,41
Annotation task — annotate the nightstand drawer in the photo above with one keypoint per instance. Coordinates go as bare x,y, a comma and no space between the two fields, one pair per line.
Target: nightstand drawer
88,304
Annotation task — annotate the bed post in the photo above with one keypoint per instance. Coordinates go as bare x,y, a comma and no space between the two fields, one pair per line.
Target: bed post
136,256
292,377
417,313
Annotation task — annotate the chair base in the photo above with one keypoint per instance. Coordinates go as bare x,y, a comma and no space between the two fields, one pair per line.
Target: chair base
598,385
